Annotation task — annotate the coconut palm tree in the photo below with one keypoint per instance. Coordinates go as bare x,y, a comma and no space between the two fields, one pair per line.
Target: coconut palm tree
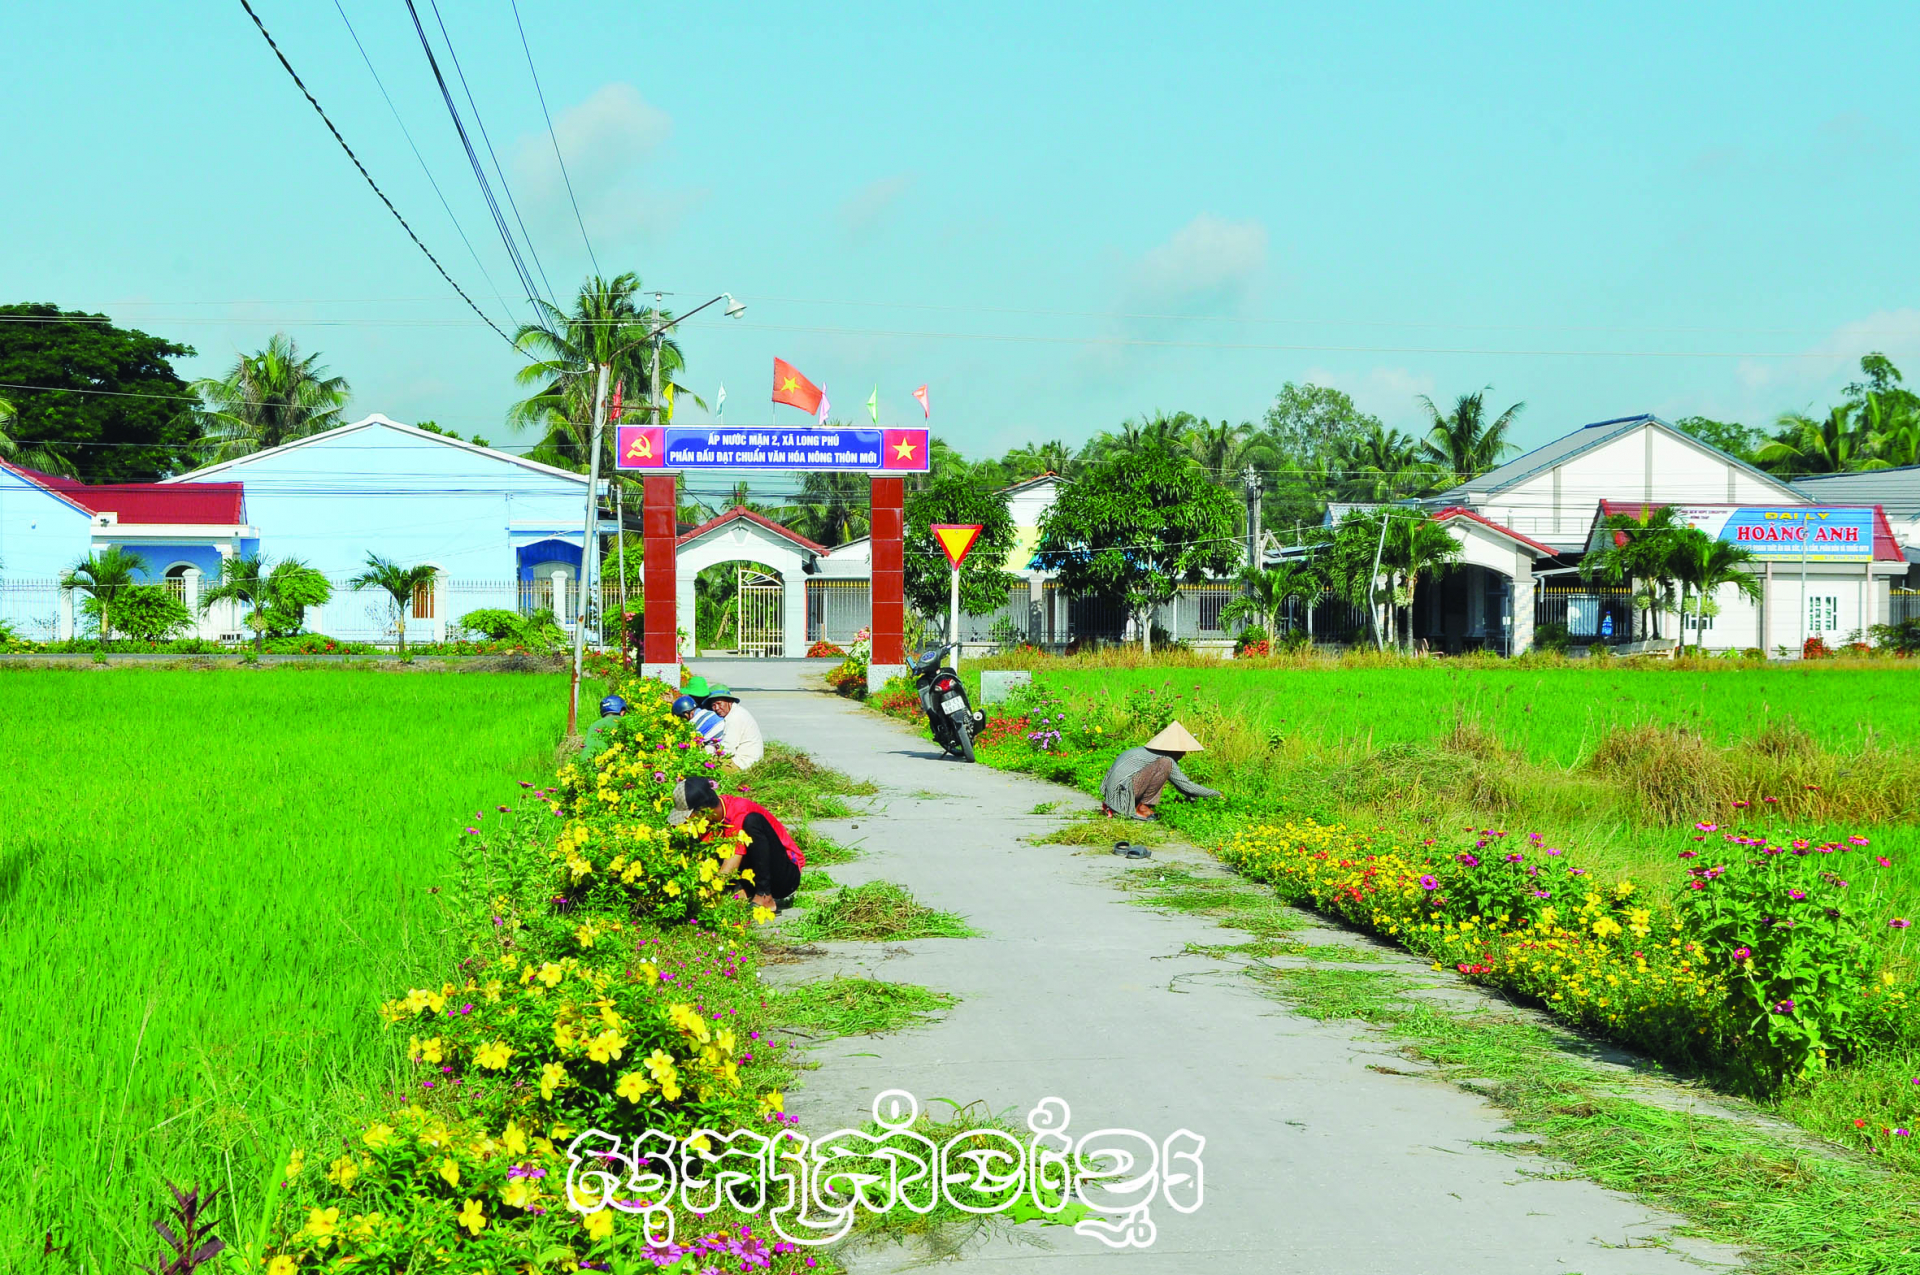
104,577
1893,425
1030,460
1703,564
1838,443
607,326
1638,547
833,508
1463,442
270,398
1382,464
1415,546
278,597
1225,449
400,583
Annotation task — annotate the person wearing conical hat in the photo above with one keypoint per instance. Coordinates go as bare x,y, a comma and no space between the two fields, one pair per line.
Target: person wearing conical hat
1134,782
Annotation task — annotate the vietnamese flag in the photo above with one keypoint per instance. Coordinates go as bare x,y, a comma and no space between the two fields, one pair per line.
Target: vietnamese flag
904,449
793,389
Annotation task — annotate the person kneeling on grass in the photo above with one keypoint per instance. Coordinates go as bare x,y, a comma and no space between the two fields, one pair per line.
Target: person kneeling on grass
741,740
704,720
767,860
600,734
1133,783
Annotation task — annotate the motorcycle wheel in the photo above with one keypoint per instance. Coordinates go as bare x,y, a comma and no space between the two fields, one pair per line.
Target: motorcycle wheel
963,738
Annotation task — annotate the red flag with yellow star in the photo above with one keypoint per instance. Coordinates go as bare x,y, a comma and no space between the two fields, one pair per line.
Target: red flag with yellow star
904,449
793,389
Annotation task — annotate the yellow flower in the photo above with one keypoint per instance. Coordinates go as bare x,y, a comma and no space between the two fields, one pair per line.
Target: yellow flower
518,1193
773,1100
450,1170
585,935
295,1162
599,1225
282,1265
342,1173
552,1076
321,1223
472,1218
378,1136
493,1055
607,1046
632,1086
551,974
514,1140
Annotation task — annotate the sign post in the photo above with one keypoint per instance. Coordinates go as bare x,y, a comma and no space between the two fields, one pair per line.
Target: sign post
956,541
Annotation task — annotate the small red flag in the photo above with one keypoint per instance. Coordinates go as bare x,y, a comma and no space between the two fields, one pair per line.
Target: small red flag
613,413
925,407
793,389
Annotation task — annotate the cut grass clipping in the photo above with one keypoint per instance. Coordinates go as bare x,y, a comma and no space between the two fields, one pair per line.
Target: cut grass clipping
876,911
860,1006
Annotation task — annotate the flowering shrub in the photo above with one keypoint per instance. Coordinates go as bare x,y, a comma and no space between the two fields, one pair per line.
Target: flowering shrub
1253,641
1782,920
849,676
823,650
1815,648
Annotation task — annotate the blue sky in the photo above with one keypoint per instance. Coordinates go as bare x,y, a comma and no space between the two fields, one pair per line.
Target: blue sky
1057,216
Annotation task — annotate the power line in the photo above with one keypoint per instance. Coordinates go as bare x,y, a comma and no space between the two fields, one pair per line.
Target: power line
406,133
481,124
265,34
542,94
473,159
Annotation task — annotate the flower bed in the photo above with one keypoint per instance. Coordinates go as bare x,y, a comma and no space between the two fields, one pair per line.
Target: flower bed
604,984
824,650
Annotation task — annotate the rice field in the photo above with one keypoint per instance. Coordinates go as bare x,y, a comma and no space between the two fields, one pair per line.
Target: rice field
207,878
1548,714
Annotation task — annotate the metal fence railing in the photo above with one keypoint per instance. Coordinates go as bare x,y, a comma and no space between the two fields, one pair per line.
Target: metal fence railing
1903,604
838,609
1587,615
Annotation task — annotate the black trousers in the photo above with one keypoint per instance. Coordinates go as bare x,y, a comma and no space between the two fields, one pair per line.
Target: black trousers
773,871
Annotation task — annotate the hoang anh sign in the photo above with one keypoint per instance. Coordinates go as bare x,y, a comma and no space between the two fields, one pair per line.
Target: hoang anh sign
1788,533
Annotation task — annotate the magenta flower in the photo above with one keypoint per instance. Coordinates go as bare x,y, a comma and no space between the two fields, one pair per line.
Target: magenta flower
1470,860
1899,923
1784,1007
1689,854
1796,895
1883,861
1513,858
1430,883
1856,841
1742,953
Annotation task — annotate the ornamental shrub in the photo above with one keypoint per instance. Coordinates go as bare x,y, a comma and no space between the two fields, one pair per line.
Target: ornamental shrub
143,613
494,622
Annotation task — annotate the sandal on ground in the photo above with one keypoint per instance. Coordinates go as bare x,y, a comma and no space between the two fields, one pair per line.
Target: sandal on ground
1127,850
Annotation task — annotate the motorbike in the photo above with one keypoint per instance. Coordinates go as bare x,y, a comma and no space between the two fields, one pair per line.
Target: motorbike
944,698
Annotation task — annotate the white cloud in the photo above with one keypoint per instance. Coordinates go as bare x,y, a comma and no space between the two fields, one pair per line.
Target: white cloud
863,210
610,143
1386,392
1208,262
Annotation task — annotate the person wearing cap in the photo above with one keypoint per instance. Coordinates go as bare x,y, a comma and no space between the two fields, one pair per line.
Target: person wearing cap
741,739
1133,783
766,858
600,734
704,720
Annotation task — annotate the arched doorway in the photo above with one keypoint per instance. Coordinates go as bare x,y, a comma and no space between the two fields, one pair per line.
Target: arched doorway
779,561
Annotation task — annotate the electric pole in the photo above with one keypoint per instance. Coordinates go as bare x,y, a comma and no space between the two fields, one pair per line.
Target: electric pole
589,547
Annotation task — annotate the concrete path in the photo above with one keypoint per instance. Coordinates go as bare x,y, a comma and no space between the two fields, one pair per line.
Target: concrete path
1314,1163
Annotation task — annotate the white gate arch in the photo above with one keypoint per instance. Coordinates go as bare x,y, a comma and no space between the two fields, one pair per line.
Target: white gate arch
740,535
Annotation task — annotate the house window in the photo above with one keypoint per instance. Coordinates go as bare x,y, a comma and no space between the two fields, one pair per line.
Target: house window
1823,614
423,601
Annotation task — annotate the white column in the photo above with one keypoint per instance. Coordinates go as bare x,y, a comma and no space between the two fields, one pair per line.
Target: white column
793,613
190,596
562,598
440,600
1522,603
64,624
684,618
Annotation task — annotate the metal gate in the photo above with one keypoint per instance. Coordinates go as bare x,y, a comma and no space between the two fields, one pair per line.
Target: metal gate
758,609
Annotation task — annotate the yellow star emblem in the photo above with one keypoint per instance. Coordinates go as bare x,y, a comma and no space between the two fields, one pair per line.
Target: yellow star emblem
903,449
788,383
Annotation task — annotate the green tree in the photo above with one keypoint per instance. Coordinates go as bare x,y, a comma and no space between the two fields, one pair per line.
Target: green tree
607,326
278,596
833,508
1136,527
1310,429
105,577
400,583
1729,436
270,398
1416,547
984,579
1348,554
1463,443
1704,565
1225,449
1639,548
1381,465
1270,589
41,457
1030,460
1839,442
1162,431
133,423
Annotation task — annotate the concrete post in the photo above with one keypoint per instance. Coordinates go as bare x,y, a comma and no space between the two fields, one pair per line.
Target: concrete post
686,611
793,614
889,583
1522,603
562,597
660,645
190,597
64,623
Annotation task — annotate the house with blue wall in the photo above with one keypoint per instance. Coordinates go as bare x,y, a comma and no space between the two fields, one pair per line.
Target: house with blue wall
501,530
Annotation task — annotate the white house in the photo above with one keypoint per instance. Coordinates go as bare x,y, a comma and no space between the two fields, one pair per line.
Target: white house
501,529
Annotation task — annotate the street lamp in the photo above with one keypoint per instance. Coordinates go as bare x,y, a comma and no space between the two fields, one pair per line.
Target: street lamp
589,539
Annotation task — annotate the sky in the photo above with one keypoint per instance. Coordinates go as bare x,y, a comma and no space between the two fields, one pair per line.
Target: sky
1055,216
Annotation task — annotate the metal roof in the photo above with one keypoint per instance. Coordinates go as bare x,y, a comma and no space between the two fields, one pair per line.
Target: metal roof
1577,443
1895,490
151,504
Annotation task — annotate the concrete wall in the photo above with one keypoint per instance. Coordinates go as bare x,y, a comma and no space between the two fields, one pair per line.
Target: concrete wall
41,535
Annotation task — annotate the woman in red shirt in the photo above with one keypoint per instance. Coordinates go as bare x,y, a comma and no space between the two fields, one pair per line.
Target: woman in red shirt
768,852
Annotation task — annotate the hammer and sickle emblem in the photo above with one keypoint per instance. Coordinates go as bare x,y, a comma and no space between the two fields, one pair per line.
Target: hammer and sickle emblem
641,448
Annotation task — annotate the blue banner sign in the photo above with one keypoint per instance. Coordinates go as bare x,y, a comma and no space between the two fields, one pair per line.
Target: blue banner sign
816,448
1787,533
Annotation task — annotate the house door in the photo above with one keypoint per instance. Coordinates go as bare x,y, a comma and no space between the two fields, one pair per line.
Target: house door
759,610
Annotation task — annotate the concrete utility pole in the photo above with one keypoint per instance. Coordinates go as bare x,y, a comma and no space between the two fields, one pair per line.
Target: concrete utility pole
1252,478
588,547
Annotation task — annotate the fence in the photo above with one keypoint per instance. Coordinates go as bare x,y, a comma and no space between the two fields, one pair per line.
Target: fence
1903,604
1589,615
838,609
31,608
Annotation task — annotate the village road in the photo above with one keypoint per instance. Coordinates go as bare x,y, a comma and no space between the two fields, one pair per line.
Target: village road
1313,1162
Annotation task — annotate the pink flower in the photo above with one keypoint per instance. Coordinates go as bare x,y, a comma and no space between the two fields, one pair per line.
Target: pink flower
1856,841
1742,953
1883,861
1899,923
1430,883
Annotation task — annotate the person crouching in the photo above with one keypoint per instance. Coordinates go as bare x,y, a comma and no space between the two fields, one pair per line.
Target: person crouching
767,859
1133,783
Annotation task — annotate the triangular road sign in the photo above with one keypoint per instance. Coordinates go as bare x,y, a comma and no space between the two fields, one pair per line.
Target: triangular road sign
956,540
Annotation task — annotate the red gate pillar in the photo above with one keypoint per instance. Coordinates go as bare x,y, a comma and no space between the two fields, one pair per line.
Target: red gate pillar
660,647
889,583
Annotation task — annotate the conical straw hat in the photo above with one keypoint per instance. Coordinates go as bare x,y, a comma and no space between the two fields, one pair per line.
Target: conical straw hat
1175,739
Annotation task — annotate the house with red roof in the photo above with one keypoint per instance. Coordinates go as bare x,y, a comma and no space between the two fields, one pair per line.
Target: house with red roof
49,523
